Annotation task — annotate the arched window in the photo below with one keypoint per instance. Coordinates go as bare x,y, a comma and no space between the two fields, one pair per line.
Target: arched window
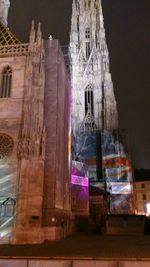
7,209
6,82
89,99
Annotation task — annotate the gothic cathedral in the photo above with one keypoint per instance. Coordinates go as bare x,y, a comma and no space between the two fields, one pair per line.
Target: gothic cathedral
36,185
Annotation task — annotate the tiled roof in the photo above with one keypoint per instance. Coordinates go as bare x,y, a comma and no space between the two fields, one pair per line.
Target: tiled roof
7,37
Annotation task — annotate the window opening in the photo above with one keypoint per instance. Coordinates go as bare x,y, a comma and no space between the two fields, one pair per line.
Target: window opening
89,99
87,37
78,23
7,208
88,49
6,82
96,39
87,33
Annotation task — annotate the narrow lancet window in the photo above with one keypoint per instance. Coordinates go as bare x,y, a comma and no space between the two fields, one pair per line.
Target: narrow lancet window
6,82
88,46
89,99
87,33
88,49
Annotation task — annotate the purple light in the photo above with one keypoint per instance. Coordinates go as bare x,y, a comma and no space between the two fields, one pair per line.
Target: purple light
79,180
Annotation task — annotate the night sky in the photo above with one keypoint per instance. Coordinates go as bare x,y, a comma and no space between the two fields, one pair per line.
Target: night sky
127,24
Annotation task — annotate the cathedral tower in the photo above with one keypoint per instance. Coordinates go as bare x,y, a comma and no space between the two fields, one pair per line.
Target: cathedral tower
92,88
97,140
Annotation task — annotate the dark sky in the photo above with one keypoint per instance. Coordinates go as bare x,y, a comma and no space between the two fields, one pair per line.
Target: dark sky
127,24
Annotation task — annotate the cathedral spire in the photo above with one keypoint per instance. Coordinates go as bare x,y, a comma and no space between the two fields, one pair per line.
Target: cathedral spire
39,35
74,7
4,7
32,33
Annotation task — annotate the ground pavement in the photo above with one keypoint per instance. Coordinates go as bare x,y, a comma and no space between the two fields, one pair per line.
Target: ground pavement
84,245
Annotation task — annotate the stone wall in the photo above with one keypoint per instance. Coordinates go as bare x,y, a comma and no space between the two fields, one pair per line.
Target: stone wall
74,263
56,201
10,124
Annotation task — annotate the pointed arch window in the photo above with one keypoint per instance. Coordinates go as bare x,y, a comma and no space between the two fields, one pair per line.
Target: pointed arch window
6,82
87,43
89,99
78,23
88,49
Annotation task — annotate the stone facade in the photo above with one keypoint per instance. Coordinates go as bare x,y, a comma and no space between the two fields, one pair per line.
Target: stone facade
34,138
97,139
56,199
142,196
92,87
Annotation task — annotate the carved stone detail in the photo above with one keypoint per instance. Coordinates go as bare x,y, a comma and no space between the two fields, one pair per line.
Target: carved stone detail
90,65
32,134
6,145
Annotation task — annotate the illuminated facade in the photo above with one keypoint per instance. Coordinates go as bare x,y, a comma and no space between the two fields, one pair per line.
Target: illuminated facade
34,139
92,88
80,195
93,102
142,196
97,140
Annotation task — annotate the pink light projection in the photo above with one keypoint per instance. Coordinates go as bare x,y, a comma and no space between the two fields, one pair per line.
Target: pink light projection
79,180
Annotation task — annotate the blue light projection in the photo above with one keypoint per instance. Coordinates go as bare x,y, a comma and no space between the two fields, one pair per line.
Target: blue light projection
8,189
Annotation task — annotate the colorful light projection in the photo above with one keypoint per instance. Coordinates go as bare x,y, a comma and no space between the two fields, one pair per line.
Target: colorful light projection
121,204
115,157
79,187
79,174
69,126
116,165
114,153
8,189
120,188
78,180
84,146
117,171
